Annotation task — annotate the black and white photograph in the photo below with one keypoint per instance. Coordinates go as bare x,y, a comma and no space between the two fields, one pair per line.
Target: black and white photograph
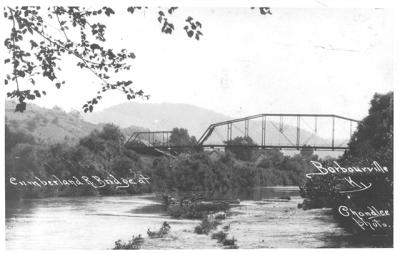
187,125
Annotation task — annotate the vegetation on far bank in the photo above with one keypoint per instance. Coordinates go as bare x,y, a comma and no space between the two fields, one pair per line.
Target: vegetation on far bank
103,152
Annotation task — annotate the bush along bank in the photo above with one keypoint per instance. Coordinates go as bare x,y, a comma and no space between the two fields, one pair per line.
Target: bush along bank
209,211
136,242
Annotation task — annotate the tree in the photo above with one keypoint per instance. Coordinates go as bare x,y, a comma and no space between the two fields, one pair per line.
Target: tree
180,137
306,152
238,147
83,38
218,176
35,51
122,167
372,141
13,138
374,136
108,142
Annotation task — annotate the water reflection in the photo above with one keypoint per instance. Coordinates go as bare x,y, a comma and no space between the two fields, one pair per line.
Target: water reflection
261,193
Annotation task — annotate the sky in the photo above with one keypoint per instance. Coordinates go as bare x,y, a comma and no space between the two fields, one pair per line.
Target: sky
310,60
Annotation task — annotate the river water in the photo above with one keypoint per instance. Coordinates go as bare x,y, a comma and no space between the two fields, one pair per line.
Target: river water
97,222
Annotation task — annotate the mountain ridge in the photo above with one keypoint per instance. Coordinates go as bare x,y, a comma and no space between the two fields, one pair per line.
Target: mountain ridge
55,125
159,116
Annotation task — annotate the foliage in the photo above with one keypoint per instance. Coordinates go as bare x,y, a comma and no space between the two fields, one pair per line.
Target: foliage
222,238
36,50
99,154
160,233
196,210
48,126
372,141
278,169
238,147
181,137
13,138
83,38
229,242
133,244
201,172
219,236
222,175
136,242
103,152
206,226
220,216
263,10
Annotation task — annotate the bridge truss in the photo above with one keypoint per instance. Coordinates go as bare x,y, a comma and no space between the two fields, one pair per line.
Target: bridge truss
281,131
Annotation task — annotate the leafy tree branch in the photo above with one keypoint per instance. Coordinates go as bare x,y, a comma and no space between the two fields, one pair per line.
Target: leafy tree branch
36,52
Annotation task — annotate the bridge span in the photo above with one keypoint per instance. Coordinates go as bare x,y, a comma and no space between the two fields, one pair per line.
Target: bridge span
263,131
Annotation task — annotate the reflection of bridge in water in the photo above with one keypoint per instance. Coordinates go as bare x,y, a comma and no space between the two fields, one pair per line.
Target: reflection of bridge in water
267,131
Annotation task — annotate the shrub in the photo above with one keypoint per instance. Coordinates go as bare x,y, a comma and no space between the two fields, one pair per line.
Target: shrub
220,236
160,233
196,210
220,216
134,243
229,242
206,226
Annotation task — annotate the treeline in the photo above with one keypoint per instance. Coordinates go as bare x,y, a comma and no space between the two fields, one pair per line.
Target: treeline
104,153
99,154
215,174
372,141
273,166
222,174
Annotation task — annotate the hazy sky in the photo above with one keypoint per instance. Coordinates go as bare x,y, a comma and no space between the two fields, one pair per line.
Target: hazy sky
293,61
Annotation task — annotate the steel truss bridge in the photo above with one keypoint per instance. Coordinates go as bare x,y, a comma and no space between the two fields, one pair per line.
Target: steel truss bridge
267,131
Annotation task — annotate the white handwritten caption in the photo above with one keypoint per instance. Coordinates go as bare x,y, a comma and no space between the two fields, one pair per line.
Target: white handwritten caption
93,181
368,219
356,186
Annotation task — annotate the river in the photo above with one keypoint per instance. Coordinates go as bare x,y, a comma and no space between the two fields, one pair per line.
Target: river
97,222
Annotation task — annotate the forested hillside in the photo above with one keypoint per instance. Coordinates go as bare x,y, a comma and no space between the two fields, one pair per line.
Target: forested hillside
49,126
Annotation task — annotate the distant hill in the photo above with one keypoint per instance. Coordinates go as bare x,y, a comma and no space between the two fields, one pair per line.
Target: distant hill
52,125
55,125
163,116
48,125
